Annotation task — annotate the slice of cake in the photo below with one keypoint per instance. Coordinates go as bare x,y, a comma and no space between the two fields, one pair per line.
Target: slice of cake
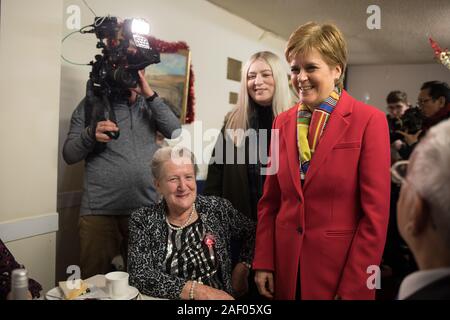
72,289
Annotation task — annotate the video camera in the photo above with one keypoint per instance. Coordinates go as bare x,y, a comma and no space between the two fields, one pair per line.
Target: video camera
410,122
125,51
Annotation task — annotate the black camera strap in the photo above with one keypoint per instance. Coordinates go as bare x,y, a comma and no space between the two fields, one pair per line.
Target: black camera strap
93,113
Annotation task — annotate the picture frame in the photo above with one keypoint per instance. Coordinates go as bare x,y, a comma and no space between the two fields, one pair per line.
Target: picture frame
170,79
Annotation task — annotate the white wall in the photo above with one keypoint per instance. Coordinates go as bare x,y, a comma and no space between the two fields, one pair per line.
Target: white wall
29,111
38,255
375,82
212,34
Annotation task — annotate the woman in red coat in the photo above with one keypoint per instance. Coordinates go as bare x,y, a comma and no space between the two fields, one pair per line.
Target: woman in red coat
323,216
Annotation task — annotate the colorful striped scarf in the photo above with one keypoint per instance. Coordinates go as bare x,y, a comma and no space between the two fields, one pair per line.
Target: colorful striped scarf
310,127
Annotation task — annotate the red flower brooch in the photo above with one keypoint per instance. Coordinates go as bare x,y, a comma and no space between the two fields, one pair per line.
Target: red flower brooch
209,240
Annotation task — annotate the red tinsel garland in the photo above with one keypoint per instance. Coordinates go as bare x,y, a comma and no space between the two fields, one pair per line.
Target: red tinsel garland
173,47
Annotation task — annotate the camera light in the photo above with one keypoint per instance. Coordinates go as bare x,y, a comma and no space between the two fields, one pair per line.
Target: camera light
140,26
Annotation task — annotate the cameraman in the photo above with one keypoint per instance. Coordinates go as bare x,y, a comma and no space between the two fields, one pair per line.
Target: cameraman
117,180
434,103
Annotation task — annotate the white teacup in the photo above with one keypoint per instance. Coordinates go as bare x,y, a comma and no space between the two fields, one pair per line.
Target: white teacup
117,284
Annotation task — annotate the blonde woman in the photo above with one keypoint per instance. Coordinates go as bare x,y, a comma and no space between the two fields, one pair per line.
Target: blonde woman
264,94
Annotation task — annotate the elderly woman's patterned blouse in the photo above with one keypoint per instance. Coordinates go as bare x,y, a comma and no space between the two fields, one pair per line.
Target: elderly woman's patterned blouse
189,257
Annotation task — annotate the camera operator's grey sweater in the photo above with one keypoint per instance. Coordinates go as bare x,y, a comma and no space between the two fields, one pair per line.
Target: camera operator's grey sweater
118,179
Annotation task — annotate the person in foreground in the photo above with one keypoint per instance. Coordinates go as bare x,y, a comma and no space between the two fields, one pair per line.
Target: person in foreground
323,216
180,247
423,213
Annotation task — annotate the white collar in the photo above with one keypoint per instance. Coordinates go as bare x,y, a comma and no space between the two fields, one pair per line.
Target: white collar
419,279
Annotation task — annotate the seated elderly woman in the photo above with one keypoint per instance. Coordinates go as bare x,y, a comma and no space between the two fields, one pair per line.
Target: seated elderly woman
180,247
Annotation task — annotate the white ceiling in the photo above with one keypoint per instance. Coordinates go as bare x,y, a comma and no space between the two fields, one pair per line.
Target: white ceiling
406,25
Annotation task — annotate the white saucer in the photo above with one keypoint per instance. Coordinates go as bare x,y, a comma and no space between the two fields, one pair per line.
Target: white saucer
54,294
96,293
130,295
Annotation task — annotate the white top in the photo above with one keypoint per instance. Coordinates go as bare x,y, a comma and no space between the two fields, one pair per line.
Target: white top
419,279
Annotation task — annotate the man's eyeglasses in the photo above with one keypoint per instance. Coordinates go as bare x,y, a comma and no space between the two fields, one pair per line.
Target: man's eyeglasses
398,171
423,101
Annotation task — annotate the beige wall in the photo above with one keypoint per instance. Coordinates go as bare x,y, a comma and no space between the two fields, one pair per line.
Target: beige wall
29,99
212,34
375,82
38,255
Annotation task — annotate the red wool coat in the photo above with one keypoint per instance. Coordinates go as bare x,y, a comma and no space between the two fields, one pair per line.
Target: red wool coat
333,227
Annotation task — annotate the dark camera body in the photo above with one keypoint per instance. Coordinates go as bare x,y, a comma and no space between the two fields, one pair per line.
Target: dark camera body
410,122
115,71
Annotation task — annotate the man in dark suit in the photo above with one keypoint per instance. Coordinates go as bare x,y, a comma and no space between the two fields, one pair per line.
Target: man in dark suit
423,213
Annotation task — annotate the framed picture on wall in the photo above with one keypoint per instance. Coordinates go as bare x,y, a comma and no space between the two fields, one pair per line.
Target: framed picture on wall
170,79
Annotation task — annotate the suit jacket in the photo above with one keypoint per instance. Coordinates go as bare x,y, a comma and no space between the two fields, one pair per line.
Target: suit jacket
437,290
332,228
148,245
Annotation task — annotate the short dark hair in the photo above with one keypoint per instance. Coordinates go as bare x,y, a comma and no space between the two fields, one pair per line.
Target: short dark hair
397,96
437,89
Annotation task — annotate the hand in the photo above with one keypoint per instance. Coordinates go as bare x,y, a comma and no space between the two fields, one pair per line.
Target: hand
143,87
264,282
102,127
203,292
239,279
410,138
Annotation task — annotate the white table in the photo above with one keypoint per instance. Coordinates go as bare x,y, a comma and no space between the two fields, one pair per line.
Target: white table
99,282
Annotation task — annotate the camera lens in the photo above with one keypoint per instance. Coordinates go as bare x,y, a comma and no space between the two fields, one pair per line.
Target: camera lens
124,78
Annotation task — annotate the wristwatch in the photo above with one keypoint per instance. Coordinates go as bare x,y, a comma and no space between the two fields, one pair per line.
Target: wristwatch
152,97
248,265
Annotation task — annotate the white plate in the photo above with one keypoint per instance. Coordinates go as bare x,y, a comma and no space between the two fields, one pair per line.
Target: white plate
96,293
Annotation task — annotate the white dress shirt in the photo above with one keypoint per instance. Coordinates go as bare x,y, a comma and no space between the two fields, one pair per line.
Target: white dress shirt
419,279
